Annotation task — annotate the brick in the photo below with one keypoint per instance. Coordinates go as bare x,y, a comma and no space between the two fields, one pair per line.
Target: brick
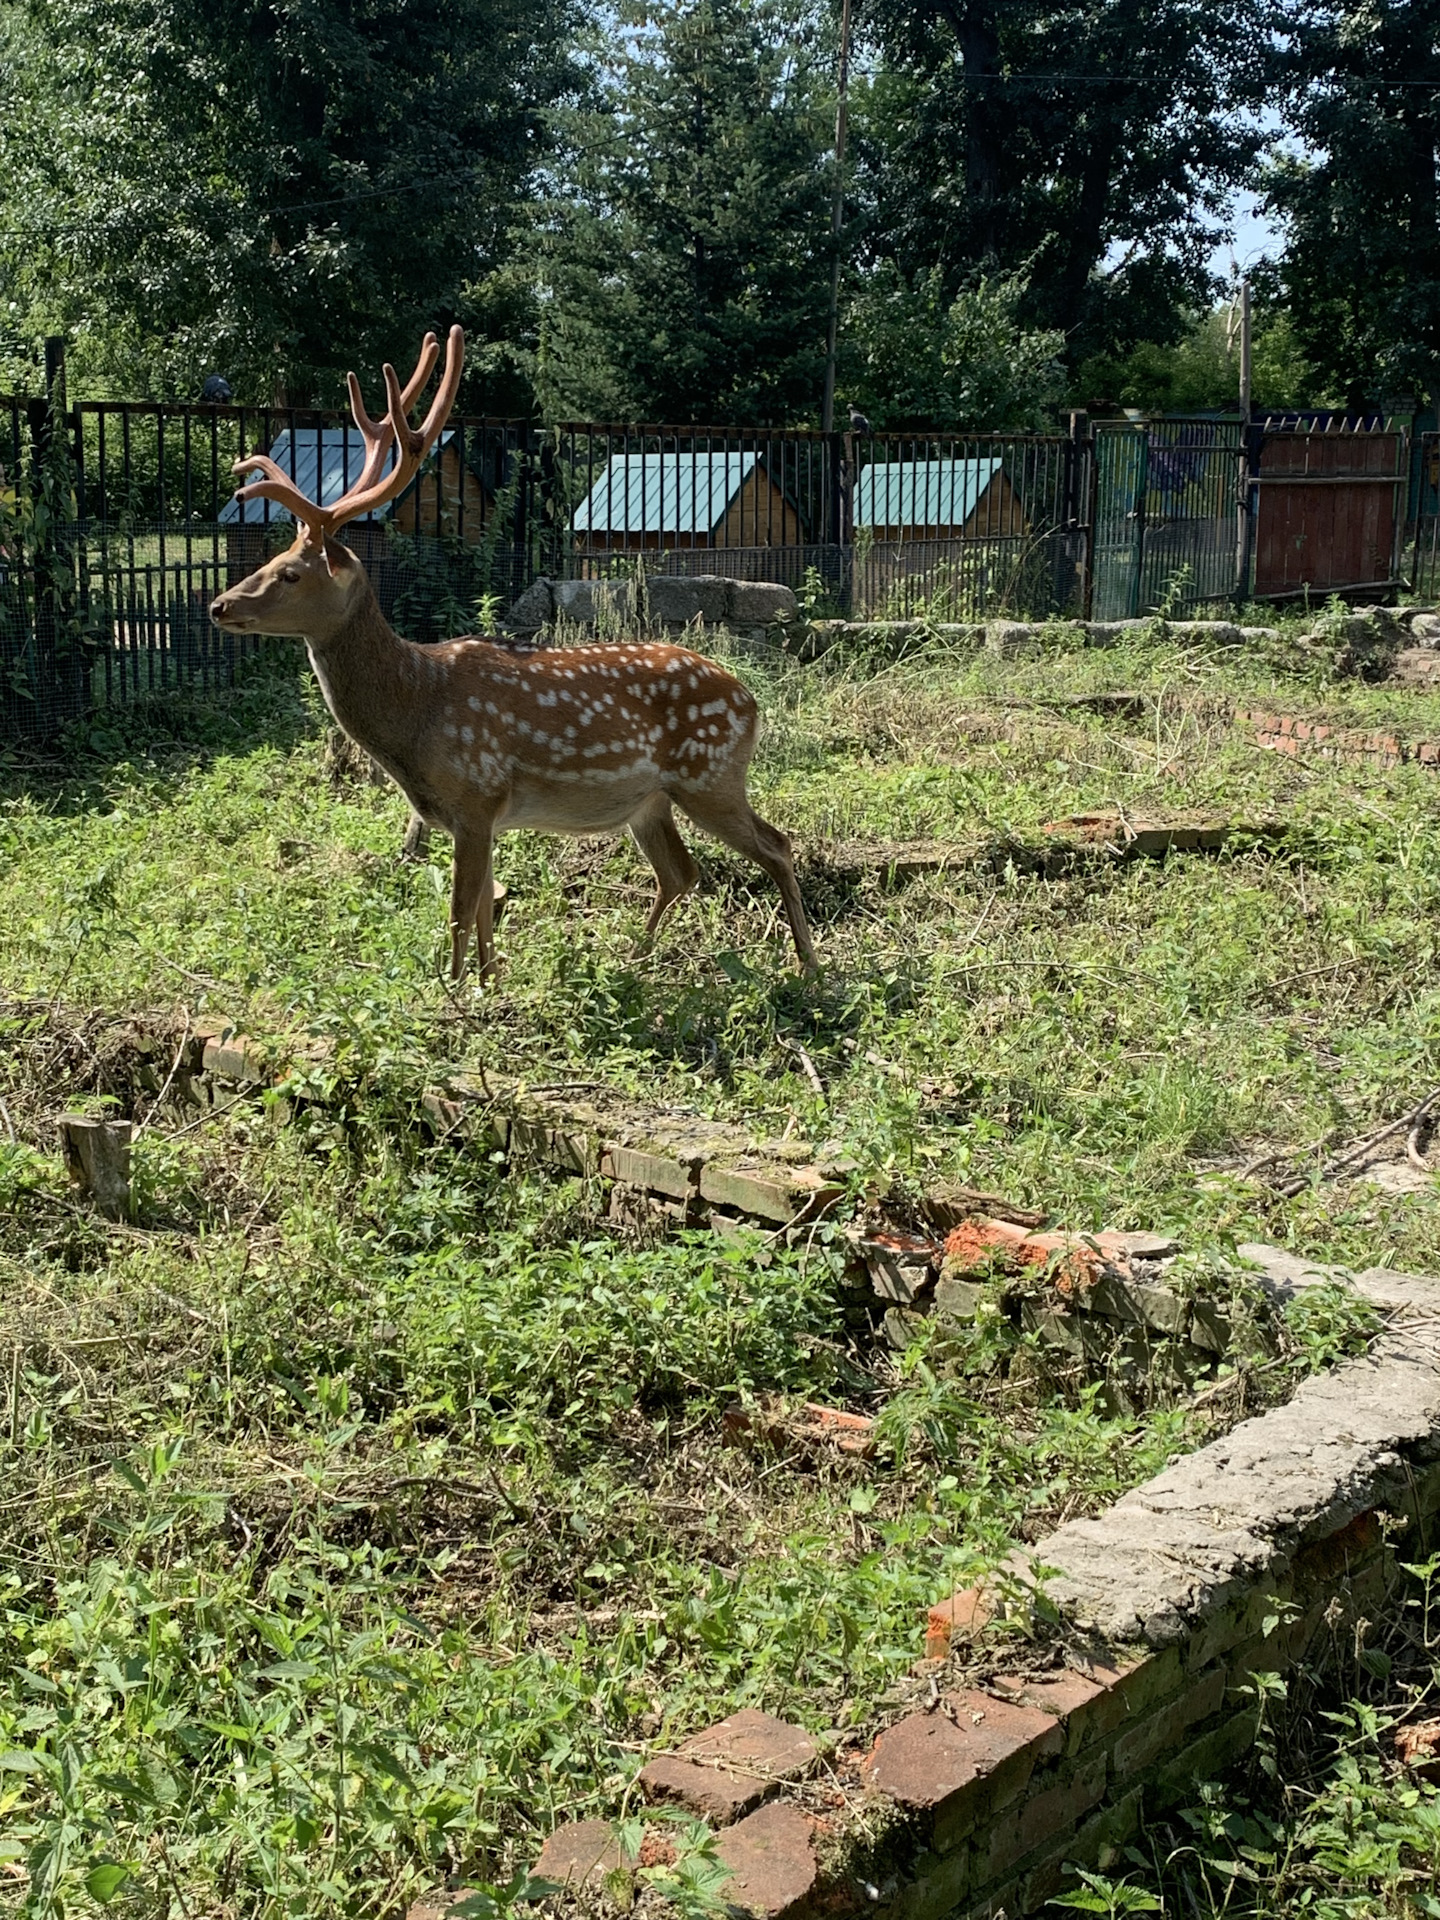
1204,1759
1069,1695
952,1770
235,1057
1122,1298
1129,1691
1230,1626
711,1792
1044,1816
771,1858
1096,1843
1325,1560
938,1883
656,1172
964,1616
580,1854
754,1743
777,1194
1161,1731
805,1427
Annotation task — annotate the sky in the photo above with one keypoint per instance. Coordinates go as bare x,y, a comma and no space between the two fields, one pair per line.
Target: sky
1254,236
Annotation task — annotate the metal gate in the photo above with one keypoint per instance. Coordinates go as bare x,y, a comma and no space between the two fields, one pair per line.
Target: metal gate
1166,517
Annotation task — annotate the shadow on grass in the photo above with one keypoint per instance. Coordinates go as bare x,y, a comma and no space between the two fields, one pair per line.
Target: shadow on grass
165,736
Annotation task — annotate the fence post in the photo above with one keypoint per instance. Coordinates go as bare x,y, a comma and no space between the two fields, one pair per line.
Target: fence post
1079,500
1252,442
835,510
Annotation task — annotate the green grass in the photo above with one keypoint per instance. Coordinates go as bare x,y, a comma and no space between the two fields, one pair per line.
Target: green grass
366,1507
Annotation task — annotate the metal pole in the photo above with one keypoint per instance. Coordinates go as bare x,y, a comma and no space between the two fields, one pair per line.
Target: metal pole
837,220
1242,511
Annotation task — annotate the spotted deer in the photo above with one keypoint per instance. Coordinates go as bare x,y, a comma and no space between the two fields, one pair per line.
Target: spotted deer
575,740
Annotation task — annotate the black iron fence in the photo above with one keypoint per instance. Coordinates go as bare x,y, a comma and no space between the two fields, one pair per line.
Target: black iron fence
118,525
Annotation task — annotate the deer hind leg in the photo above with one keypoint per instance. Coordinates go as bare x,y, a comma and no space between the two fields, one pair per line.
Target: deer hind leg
735,822
472,901
654,832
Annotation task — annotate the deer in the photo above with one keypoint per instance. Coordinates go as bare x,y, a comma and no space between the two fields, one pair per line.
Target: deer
482,740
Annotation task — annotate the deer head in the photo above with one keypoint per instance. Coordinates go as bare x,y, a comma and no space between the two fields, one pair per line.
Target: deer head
315,587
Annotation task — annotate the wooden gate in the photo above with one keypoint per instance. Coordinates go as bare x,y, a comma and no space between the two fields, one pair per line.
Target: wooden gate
1330,510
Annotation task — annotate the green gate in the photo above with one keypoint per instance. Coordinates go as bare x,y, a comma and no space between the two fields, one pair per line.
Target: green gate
1165,526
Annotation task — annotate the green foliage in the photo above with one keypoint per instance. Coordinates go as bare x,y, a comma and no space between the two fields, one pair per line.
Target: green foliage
1047,140
1360,270
915,357
276,192
685,276
1200,372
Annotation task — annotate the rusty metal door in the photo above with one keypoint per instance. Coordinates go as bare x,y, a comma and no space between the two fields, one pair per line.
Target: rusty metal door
1330,510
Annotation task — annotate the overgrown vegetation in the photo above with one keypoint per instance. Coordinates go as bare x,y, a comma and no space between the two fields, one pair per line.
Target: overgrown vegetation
366,1506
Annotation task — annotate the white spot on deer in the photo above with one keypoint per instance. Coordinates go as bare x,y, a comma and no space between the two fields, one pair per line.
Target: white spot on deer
491,708
449,733
546,699
692,713
467,734
694,682
473,703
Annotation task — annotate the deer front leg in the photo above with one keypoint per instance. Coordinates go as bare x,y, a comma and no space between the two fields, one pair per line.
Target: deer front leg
472,899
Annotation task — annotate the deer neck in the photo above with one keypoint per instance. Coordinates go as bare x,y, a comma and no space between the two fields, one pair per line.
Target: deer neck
371,681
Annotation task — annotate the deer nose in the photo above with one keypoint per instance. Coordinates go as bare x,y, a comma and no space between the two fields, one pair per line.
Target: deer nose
219,608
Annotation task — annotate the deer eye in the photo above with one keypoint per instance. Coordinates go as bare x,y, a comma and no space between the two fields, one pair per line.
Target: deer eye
291,574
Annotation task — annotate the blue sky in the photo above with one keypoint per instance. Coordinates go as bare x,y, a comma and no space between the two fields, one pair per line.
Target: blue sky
1254,235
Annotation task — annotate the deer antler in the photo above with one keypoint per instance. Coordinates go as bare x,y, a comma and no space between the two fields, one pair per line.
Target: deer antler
374,486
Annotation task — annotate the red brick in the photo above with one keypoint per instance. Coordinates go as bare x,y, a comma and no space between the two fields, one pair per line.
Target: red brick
754,1743
1161,1732
964,1616
950,1769
771,1860
709,1791
580,1854
1067,1694
1045,1816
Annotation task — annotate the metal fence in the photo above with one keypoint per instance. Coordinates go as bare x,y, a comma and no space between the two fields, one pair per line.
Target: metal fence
118,526
1423,531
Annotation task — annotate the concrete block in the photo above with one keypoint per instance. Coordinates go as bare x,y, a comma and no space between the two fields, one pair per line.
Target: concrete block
761,603
774,1193
656,1172
97,1160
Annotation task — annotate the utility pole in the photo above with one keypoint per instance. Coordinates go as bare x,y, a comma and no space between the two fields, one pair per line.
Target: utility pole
1243,503
837,219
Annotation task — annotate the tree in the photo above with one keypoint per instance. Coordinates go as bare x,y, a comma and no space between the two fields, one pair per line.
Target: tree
275,188
685,275
1201,371
1360,210
1088,144
915,358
